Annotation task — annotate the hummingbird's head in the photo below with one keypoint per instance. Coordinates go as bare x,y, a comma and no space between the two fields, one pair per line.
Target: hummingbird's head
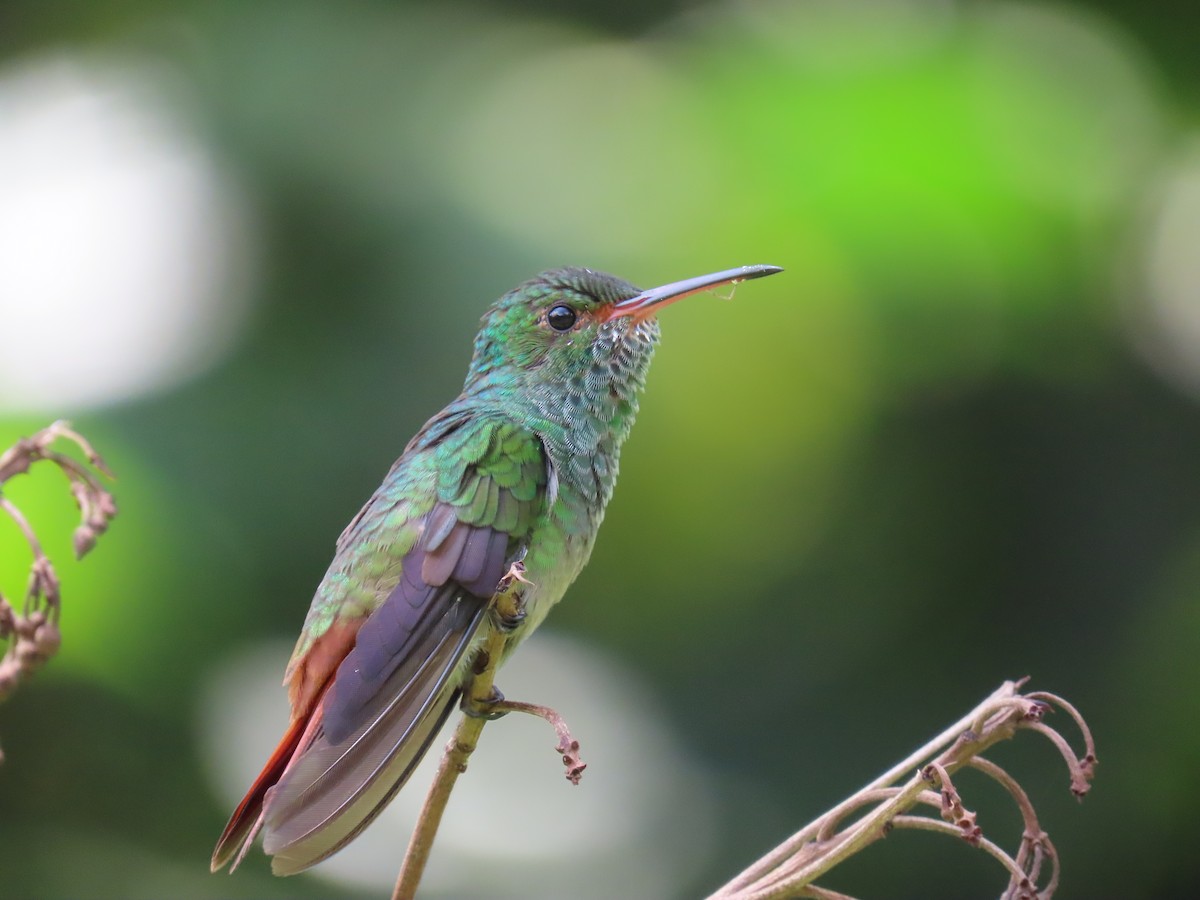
565,322
573,340
566,327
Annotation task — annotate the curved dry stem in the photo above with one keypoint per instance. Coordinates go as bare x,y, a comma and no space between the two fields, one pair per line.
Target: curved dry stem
72,469
62,428
973,722
835,816
567,748
924,823
1081,769
1089,760
1036,846
790,869
26,529
32,636
952,808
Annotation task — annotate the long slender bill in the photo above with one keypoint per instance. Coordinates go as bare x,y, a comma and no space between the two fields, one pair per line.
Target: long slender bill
649,302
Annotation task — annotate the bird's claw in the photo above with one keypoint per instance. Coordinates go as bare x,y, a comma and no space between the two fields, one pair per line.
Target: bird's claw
509,622
485,708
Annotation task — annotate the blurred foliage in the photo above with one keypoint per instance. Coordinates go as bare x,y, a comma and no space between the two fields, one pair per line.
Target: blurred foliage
930,456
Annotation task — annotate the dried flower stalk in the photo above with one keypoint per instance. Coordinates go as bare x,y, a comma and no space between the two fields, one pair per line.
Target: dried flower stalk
32,635
884,805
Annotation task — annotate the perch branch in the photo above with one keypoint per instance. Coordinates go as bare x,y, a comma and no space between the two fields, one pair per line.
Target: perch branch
480,704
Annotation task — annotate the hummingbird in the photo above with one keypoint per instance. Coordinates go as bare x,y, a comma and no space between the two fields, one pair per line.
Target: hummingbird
508,484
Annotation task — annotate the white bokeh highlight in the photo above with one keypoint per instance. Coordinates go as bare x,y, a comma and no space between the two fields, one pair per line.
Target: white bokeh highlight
640,824
122,263
1166,311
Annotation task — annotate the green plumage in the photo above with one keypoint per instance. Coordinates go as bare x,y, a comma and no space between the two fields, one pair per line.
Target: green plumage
512,477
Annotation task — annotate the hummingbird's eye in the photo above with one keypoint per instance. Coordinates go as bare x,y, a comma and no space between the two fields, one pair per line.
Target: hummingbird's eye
561,318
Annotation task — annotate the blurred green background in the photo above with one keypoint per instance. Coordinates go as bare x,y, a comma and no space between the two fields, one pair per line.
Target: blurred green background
244,246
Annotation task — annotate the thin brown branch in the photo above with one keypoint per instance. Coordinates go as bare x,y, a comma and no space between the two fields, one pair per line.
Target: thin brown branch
568,747
482,703
453,764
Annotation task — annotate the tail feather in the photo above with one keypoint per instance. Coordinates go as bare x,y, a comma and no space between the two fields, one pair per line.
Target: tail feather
336,789
247,819
297,855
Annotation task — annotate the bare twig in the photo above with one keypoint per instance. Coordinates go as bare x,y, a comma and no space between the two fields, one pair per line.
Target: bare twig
36,626
568,747
791,869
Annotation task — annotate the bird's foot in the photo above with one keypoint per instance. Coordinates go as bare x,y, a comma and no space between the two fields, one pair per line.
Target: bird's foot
508,609
509,620
484,708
